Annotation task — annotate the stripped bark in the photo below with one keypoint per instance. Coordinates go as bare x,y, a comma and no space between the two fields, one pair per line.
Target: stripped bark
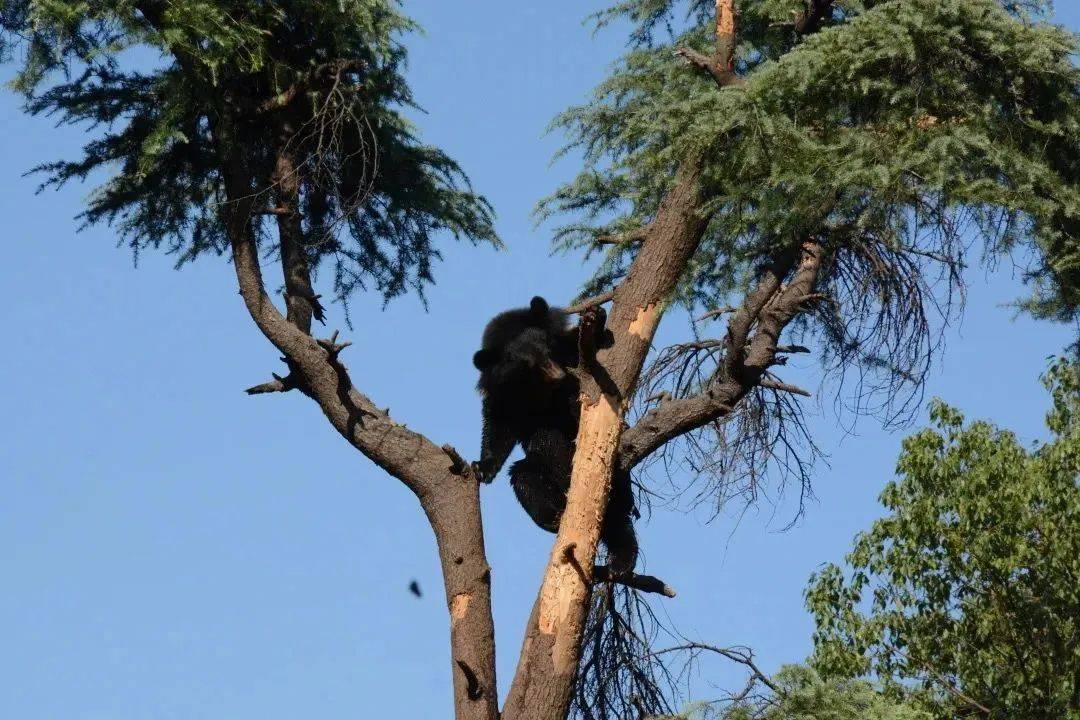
543,684
721,64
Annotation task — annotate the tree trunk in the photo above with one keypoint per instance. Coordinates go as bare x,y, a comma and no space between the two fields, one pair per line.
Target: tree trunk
544,682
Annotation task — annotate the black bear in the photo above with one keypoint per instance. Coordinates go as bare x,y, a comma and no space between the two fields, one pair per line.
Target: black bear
529,397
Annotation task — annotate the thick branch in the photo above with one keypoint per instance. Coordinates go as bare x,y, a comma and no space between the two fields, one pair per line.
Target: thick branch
770,306
547,667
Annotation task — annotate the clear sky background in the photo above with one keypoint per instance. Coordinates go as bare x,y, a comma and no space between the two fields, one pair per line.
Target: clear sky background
171,548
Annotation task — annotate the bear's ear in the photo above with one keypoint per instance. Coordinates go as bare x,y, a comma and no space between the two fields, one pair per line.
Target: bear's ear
483,359
539,307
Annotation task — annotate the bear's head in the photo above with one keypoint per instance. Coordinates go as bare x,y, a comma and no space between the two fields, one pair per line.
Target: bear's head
525,358
518,349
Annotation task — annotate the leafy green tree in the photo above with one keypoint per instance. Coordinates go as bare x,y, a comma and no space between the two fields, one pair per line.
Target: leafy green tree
799,694
966,595
813,170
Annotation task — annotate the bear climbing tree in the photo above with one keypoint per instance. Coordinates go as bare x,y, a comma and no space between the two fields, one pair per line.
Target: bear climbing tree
529,363
807,171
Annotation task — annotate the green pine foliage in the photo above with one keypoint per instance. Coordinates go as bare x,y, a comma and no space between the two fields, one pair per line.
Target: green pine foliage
173,89
906,125
966,595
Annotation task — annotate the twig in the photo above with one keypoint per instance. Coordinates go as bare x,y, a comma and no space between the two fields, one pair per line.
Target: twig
633,237
278,385
741,656
332,347
784,387
715,313
458,465
580,307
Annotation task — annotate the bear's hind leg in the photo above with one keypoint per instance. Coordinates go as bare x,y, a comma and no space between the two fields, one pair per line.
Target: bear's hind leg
618,529
538,491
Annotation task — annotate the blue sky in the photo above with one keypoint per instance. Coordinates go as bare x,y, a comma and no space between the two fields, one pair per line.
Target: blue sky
172,548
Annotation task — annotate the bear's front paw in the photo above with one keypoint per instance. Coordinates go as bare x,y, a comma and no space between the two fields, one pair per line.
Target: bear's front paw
482,471
593,326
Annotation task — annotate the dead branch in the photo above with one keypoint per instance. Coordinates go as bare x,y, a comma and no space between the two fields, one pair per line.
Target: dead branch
278,385
458,465
583,305
784,387
618,680
332,347
745,361
715,313
645,583
741,655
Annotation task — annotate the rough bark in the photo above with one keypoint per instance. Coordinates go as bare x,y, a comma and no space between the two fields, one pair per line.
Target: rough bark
300,300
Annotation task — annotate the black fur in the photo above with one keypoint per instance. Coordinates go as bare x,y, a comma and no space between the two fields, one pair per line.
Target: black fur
529,397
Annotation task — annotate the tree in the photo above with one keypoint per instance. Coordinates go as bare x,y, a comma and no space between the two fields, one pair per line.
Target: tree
812,170
799,694
966,595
